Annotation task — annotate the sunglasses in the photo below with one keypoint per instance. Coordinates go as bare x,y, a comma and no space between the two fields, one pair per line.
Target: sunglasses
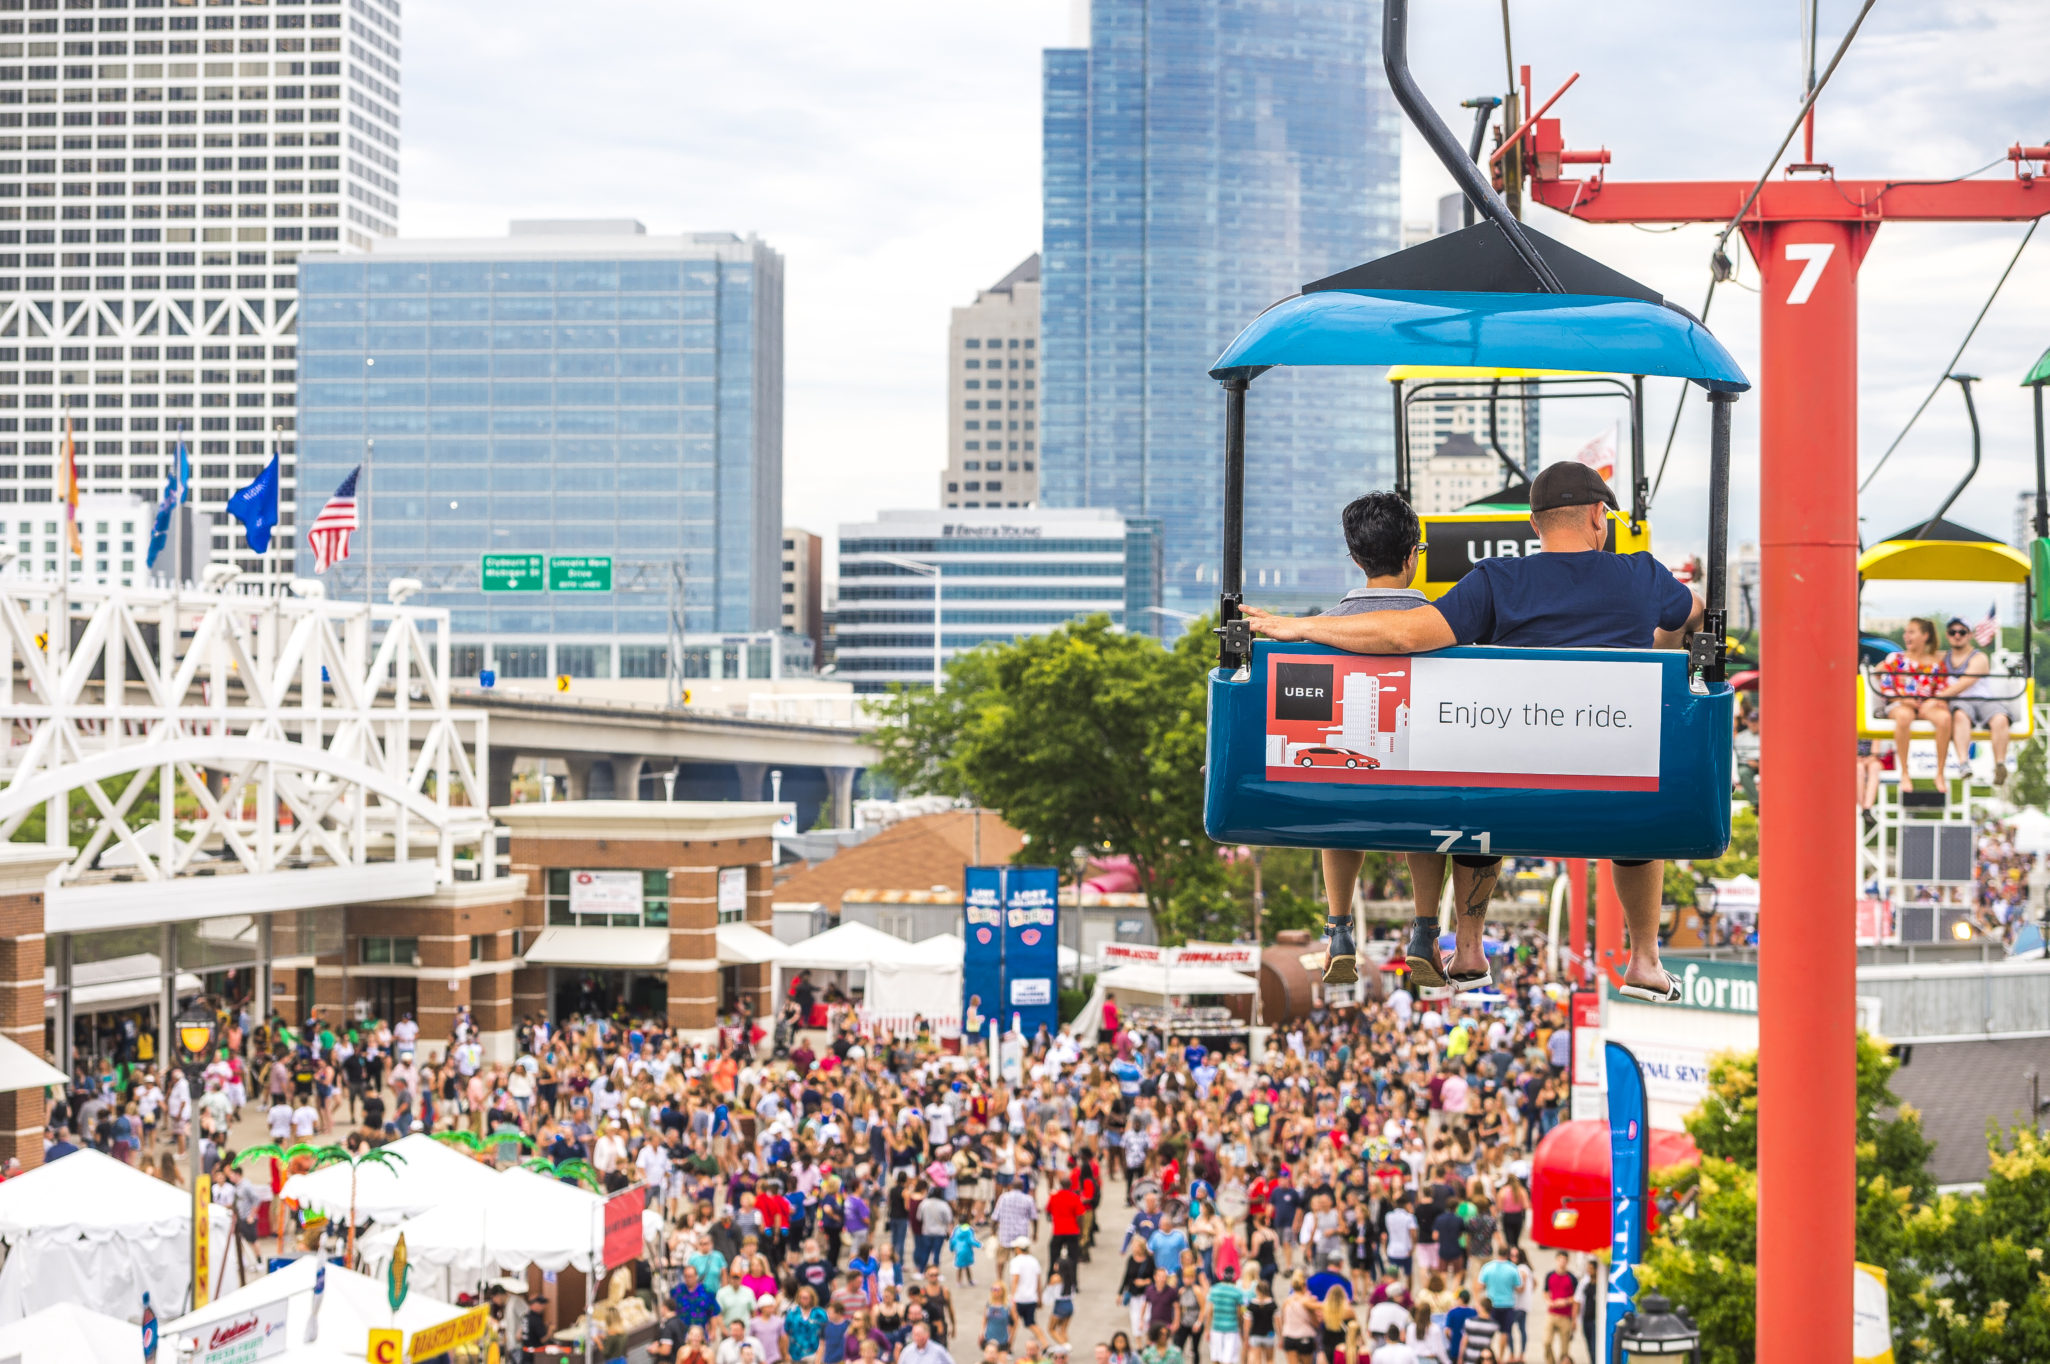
1957,634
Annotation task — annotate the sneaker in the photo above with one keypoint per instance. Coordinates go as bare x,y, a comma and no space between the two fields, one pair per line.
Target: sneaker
1343,967
1426,970
2000,774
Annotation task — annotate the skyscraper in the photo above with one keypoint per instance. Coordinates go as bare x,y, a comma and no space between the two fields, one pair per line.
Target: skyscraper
575,389
161,168
1203,160
993,461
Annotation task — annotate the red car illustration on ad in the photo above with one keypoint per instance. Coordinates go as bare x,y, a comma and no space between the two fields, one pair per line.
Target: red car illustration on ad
1325,755
1555,724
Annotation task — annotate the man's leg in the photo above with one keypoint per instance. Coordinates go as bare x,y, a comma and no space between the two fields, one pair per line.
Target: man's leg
1341,875
1639,887
1426,967
1473,886
1999,726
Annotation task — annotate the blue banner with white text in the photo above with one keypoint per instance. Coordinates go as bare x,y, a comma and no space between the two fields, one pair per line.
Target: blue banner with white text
1031,948
1629,1177
982,960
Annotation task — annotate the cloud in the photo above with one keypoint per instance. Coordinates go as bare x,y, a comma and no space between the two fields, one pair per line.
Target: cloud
891,152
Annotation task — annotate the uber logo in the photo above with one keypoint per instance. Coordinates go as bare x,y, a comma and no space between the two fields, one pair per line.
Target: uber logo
1302,691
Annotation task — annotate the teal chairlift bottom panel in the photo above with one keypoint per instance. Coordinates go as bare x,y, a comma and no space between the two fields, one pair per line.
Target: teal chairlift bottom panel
1601,753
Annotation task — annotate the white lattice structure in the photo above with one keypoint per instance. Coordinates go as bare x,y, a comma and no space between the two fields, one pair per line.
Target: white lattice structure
310,741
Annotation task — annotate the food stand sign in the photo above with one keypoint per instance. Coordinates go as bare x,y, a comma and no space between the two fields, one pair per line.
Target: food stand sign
456,1331
246,1337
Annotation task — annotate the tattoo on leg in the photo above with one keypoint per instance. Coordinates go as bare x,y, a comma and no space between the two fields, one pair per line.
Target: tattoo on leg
1482,891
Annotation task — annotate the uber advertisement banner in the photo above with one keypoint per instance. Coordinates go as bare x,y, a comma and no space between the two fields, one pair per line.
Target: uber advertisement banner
1560,725
1455,543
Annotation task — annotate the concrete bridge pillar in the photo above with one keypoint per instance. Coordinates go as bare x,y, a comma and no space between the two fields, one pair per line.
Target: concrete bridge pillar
579,766
626,776
752,777
841,780
500,778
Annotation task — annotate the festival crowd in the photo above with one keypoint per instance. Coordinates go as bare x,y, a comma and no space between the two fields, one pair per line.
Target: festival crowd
1357,1192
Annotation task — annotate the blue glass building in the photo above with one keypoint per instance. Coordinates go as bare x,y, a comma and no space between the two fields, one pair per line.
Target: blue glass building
571,389
1204,158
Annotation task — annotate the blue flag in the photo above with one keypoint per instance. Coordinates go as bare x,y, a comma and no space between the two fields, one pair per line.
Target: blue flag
177,491
256,507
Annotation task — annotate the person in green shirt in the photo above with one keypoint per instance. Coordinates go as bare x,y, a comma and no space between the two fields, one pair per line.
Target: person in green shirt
1221,1309
736,1303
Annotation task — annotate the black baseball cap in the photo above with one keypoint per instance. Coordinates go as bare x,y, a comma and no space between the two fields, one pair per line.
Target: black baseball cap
1569,484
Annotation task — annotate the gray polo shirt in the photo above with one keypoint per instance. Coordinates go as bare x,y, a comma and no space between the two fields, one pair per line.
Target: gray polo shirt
1361,600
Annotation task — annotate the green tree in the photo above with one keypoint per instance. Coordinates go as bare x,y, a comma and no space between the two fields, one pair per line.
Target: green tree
2031,779
1086,736
1708,1260
1990,1303
1741,857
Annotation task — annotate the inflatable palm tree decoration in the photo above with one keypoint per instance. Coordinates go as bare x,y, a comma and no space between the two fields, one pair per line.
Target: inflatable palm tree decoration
321,1156
570,1171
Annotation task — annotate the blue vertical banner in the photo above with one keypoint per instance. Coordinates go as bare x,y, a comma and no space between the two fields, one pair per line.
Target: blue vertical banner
982,960
1629,1179
1031,948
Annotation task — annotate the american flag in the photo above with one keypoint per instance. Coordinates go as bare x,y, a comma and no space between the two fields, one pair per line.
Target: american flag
329,534
1986,629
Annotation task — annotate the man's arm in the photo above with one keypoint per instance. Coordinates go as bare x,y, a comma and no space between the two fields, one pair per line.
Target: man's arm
1677,639
1371,632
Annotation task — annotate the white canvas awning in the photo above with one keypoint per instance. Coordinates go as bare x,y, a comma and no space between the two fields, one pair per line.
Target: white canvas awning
351,1305
65,1333
1176,981
21,1068
746,945
631,949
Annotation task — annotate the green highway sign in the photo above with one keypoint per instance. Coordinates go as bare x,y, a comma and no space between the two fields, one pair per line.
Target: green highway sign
579,574
510,573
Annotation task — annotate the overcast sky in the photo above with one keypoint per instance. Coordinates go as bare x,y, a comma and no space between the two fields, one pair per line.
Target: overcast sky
890,151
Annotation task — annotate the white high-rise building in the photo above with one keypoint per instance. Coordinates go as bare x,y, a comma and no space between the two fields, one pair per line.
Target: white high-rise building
162,166
1360,723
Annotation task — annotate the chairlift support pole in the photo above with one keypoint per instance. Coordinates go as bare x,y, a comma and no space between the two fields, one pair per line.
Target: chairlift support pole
1808,233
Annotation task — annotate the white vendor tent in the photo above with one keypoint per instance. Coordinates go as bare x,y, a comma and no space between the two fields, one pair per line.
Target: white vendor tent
522,1219
1154,984
351,1304
431,1175
90,1230
901,980
65,1333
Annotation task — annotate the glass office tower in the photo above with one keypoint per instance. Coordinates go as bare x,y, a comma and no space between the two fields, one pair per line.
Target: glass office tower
1203,160
572,389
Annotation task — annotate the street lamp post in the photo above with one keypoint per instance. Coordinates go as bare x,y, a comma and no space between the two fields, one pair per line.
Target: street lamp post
1657,1328
195,1030
1079,857
931,570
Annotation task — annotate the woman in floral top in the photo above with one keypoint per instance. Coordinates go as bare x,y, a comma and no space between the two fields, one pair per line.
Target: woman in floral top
1904,688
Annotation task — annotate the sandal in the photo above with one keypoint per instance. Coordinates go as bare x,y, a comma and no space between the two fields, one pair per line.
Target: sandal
1670,995
1342,967
1466,982
1426,970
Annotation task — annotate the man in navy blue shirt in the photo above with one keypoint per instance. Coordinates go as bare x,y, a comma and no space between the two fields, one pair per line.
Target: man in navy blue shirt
1573,595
